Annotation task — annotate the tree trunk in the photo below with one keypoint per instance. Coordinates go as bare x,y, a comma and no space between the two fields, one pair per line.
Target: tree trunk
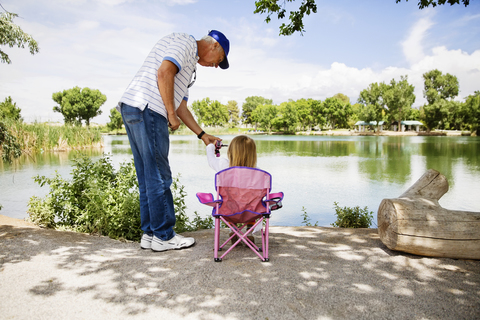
416,223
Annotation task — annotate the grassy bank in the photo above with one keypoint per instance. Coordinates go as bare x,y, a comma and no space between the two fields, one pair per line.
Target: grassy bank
45,137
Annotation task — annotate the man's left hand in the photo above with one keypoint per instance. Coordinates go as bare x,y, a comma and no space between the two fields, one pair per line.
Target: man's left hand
207,139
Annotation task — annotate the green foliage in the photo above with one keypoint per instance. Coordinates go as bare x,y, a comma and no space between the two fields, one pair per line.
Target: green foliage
79,104
439,90
250,104
306,219
439,86
100,200
9,146
116,121
309,6
183,223
11,35
472,112
337,112
352,217
233,113
296,17
9,110
42,136
264,116
399,98
426,3
210,112
373,100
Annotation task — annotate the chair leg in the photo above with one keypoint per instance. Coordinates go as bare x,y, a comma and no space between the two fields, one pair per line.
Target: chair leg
265,249
217,240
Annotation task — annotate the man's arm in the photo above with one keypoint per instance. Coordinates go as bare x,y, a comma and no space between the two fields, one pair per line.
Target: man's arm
187,118
166,81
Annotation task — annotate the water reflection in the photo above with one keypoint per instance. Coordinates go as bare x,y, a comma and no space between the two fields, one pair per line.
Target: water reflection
312,171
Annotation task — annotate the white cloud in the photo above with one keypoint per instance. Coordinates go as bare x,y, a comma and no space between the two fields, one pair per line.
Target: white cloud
413,46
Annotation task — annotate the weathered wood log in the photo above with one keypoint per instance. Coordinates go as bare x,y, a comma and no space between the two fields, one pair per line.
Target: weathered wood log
416,223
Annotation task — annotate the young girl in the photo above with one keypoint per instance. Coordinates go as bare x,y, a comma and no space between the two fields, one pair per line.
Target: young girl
242,152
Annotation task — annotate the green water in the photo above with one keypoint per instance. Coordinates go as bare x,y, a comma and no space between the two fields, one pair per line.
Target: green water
313,172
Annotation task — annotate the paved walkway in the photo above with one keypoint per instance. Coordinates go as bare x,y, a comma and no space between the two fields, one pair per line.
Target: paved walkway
313,273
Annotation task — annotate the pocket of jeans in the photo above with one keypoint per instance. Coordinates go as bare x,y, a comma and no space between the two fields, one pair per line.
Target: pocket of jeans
132,115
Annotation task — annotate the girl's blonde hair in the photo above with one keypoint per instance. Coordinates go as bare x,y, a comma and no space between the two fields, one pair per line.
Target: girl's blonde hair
242,152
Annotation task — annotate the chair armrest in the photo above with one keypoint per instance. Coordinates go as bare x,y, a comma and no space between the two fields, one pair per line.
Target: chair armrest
275,201
207,199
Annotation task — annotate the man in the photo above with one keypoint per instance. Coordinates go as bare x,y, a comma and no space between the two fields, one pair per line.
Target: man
156,100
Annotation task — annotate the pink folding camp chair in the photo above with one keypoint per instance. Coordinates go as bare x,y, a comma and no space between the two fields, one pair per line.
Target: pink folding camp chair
243,196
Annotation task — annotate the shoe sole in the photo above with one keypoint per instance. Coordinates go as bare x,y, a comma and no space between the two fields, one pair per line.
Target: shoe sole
176,248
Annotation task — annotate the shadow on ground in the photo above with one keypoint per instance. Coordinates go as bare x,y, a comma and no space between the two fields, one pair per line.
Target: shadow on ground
313,273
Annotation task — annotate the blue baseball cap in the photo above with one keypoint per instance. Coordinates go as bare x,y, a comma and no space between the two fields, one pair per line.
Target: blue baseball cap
223,41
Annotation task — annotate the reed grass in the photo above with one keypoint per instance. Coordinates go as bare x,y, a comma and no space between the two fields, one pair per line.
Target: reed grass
47,137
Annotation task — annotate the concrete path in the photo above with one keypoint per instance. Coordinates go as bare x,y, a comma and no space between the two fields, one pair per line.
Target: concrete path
313,273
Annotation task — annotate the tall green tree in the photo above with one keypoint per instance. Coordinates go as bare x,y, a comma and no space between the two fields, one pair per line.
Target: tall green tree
233,113
13,35
265,115
79,104
210,112
250,104
9,109
399,98
287,117
116,121
304,111
439,90
318,113
337,112
472,112
372,99
306,7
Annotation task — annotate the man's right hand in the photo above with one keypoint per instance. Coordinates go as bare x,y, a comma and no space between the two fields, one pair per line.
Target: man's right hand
173,122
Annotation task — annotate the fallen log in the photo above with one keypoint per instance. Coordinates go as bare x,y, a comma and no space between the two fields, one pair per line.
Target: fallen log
416,223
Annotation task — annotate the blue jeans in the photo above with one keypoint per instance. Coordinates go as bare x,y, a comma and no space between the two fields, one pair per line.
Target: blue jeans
149,139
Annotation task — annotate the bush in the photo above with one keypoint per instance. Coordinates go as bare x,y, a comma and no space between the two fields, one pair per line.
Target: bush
99,200
306,219
352,217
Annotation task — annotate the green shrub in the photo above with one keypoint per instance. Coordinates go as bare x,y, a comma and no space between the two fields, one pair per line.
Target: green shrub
9,146
100,200
352,217
306,219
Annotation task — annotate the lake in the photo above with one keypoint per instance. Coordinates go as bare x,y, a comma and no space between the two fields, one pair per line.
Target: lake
312,171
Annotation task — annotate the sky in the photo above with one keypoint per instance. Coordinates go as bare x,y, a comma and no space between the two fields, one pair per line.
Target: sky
347,45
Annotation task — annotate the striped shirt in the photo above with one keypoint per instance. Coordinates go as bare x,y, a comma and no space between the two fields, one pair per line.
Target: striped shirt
179,48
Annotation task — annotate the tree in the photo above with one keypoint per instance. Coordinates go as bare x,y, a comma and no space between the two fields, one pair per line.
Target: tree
250,104
287,117
372,99
210,112
308,6
11,35
472,112
425,3
304,111
318,113
337,112
9,110
79,104
116,121
439,89
233,113
399,98
265,116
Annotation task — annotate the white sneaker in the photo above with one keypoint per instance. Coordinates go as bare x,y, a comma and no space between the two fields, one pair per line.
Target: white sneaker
146,242
176,243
